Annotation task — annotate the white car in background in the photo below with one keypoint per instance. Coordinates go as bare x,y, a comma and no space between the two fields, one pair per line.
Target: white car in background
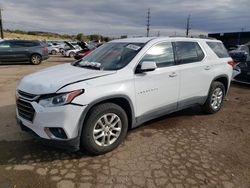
92,103
72,52
53,49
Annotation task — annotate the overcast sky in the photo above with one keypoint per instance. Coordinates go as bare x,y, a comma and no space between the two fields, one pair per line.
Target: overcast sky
126,17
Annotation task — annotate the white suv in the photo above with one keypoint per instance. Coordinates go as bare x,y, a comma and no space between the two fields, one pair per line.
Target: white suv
92,102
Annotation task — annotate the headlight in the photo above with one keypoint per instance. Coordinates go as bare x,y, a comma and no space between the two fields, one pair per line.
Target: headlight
60,99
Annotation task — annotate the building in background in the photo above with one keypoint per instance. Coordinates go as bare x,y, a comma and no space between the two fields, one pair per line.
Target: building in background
232,39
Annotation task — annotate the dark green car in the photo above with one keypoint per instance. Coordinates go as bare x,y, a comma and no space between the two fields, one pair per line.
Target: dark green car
18,51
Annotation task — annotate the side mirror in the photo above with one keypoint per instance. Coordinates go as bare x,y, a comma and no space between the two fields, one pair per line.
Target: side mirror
148,66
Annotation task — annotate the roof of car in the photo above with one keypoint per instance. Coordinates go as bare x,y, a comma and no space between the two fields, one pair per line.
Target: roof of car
135,40
20,40
147,39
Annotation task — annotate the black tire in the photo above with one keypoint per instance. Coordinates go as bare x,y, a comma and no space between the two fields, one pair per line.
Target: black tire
71,54
88,142
53,52
35,59
208,107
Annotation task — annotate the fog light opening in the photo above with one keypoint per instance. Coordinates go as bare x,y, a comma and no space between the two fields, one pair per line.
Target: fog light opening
56,132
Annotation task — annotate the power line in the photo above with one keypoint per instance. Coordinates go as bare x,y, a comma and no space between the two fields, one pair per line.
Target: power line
148,22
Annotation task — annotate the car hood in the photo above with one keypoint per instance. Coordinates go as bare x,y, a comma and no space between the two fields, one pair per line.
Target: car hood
50,80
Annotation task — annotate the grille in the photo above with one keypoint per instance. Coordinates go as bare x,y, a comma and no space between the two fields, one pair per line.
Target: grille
25,110
27,95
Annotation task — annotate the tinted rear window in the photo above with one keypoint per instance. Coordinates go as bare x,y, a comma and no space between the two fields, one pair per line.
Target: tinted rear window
218,49
188,52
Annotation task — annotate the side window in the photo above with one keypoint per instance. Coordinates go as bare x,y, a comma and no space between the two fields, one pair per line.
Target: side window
218,49
31,43
161,53
188,52
4,45
16,44
23,44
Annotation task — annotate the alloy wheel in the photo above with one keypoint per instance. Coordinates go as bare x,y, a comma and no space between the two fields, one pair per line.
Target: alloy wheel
216,99
36,59
107,129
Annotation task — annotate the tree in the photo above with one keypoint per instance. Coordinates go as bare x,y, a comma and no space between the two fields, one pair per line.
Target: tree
94,37
81,37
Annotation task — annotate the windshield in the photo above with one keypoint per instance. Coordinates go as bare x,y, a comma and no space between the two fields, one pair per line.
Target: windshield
110,56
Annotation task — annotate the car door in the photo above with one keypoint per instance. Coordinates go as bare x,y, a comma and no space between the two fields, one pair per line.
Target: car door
6,52
20,50
196,73
157,91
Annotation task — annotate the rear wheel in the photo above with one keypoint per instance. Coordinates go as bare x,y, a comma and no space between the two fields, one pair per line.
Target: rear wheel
105,129
215,98
36,59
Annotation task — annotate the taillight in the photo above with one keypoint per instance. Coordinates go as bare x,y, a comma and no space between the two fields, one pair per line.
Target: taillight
45,49
232,63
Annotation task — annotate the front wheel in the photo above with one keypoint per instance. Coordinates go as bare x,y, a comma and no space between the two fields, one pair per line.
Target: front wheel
36,59
71,54
215,98
105,128
53,52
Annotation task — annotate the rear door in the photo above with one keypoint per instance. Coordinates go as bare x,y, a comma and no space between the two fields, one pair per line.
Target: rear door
157,91
196,73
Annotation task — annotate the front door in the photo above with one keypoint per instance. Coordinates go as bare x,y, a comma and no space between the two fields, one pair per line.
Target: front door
6,52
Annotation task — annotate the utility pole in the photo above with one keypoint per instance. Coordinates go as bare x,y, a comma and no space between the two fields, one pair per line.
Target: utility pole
1,23
148,22
188,27
158,34
242,29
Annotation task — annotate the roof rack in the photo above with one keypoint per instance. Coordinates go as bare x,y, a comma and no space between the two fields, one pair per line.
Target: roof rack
200,37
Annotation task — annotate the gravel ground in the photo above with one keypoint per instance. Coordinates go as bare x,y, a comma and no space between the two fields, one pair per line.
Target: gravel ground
183,149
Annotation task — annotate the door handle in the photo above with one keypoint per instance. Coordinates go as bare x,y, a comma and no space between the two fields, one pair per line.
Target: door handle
173,74
207,68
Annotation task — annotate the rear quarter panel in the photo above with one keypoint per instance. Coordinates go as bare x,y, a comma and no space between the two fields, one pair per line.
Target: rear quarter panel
220,65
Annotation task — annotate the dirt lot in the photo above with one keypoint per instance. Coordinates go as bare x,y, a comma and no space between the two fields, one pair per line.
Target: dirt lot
184,149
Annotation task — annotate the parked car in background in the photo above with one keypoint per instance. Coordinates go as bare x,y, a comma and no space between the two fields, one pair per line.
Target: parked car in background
71,52
15,51
238,55
91,104
70,46
53,49
241,72
58,44
88,49
241,54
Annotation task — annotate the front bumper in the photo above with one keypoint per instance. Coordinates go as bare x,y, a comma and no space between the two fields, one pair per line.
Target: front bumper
65,117
70,145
